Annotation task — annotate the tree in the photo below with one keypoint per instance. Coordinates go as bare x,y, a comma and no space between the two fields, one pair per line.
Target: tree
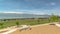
1,24
4,20
17,23
38,20
53,18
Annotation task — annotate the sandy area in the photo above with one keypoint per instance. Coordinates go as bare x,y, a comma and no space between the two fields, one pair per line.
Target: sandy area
45,29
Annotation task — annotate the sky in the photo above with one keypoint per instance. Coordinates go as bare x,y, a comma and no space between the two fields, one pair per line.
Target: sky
39,7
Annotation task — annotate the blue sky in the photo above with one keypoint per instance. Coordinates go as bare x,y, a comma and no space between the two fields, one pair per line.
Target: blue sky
30,6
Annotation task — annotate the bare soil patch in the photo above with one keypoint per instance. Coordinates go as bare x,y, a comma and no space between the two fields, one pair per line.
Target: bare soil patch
45,29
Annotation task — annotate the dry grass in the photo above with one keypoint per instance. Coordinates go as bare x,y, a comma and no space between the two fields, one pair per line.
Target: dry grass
47,29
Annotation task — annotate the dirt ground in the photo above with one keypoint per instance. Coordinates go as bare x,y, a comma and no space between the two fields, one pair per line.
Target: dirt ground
46,29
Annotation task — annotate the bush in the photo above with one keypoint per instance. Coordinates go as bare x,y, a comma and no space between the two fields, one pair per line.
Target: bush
53,18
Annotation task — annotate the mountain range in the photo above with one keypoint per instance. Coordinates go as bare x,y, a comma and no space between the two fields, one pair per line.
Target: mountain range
13,15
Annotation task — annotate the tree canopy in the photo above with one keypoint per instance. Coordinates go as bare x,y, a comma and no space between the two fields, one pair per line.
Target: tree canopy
53,18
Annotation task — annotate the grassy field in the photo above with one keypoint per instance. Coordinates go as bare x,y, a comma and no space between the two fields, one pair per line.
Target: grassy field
25,21
8,23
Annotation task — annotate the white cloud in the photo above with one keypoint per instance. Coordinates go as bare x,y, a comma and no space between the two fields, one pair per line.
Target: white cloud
13,12
30,12
37,12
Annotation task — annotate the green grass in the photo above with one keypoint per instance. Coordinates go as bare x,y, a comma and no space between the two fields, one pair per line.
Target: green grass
25,21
